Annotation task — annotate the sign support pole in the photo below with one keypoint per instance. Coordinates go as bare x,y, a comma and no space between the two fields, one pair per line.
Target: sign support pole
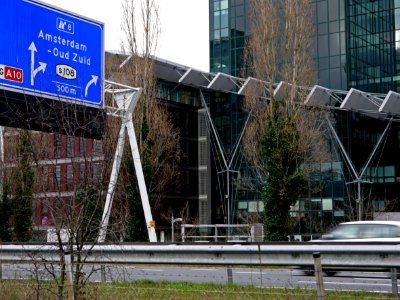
126,100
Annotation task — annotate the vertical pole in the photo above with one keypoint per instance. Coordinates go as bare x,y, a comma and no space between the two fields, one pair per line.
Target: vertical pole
360,204
162,236
228,198
183,233
172,229
229,273
103,273
319,276
68,270
393,276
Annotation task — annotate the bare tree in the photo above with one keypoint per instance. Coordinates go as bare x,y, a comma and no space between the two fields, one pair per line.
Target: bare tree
158,139
284,138
71,175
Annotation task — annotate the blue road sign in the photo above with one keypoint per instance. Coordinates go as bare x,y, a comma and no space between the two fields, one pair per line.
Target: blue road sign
49,52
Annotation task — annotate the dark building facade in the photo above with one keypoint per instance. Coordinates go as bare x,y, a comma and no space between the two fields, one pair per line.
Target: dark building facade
356,45
210,122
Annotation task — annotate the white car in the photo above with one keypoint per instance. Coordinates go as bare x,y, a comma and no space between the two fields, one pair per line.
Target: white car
364,231
358,231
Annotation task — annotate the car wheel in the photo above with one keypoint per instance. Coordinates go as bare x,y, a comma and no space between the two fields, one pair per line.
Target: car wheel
308,272
330,273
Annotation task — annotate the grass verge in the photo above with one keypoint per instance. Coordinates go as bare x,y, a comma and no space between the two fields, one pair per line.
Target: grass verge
28,289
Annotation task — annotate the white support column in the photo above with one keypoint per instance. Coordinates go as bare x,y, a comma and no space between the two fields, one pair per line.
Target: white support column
111,186
142,184
126,101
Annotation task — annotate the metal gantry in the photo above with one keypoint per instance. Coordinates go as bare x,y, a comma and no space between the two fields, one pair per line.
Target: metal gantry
126,99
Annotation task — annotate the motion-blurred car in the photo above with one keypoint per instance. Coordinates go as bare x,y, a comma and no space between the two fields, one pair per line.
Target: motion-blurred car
359,231
364,231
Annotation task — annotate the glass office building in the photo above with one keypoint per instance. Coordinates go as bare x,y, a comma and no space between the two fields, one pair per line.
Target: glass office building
372,49
356,46
366,34
228,32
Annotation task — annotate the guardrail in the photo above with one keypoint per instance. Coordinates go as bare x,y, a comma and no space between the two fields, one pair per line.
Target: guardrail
365,255
282,254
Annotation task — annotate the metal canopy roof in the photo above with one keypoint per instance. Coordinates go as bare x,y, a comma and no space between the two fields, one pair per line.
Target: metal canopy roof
224,82
391,104
357,100
373,105
195,77
280,90
250,85
165,71
319,96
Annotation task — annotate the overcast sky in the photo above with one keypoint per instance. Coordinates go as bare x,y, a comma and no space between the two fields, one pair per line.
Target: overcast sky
184,27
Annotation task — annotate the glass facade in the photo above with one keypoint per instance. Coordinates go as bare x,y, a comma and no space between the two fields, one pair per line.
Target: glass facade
226,193
357,44
330,43
192,195
228,31
372,48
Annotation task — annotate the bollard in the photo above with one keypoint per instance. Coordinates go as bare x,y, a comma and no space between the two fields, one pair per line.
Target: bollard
393,275
319,276
230,277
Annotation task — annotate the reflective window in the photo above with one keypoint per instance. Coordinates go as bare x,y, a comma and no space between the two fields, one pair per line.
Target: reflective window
322,12
372,46
224,18
323,46
333,10
224,4
334,47
217,23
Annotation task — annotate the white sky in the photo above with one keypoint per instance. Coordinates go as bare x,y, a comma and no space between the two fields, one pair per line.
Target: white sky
184,27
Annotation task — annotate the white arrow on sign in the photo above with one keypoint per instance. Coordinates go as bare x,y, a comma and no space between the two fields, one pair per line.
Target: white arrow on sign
42,65
93,81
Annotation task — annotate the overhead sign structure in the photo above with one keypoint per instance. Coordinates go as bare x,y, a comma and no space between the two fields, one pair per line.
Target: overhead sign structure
50,52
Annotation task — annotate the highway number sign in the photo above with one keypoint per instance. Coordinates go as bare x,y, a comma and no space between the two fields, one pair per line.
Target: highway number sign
11,73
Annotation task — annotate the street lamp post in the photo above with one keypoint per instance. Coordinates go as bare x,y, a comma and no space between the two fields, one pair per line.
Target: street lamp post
172,227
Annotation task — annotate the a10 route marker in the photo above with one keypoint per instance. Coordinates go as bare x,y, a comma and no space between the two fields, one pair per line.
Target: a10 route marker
11,73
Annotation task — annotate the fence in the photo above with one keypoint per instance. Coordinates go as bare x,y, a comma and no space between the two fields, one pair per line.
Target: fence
222,233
